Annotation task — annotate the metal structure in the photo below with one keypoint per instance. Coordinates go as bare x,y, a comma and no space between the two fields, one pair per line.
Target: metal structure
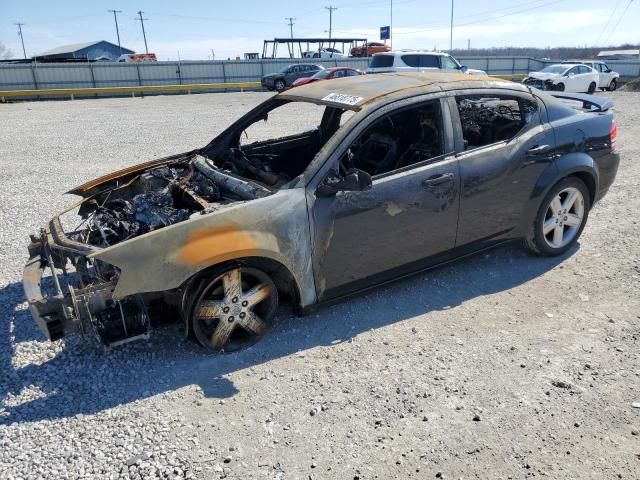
346,43
87,75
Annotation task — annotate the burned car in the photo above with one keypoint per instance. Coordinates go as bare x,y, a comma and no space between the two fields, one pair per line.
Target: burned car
378,177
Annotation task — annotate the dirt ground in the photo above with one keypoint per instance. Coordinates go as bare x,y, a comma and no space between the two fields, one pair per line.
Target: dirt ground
504,365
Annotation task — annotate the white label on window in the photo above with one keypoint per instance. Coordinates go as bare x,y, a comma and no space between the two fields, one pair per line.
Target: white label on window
342,98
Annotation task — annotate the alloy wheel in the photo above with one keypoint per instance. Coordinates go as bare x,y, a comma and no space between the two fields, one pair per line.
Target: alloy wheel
234,309
563,218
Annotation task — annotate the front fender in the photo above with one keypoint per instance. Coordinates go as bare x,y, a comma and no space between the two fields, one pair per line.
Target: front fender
274,227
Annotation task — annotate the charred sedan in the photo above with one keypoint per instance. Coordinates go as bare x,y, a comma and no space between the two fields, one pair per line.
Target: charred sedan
380,176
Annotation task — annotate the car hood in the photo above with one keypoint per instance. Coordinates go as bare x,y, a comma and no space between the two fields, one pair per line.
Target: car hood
544,75
91,187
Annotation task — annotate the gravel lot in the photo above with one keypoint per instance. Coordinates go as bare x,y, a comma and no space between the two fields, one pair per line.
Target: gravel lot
501,366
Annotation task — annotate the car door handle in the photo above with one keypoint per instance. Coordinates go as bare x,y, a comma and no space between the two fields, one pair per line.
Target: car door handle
438,180
538,149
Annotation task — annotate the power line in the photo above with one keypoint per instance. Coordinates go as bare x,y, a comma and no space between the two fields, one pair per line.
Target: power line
19,25
483,20
331,9
115,19
619,20
144,34
604,29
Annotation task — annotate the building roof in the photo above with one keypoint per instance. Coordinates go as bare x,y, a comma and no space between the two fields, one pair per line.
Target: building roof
74,47
353,92
614,53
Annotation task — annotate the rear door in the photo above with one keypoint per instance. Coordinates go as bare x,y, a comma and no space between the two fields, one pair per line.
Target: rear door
429,63
503,146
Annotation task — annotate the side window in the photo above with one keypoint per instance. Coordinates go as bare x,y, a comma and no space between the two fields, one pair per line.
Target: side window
490,119
448,63
338,74
411,60
429,61
397,140
351,73
573,71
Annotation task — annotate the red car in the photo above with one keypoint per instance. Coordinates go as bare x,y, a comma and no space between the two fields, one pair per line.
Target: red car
328,74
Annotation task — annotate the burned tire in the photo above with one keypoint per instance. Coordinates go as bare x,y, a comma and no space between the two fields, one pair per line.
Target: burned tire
613,85
592,88
280,85
560,219
233,308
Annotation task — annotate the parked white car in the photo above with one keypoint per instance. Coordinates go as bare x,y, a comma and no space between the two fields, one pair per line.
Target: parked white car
324,53
607,78
563,77
422,61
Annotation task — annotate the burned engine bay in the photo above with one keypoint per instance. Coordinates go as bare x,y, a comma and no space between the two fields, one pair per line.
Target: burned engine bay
125,207
172,193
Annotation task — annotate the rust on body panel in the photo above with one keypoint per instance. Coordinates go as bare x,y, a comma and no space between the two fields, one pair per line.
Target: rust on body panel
208,246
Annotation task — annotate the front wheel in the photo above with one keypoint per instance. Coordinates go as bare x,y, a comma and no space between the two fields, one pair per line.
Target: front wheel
234,308
592,88
280,85
613,85
560,87
560,219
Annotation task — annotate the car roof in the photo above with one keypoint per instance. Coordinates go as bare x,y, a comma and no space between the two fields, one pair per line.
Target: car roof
353,93
413,52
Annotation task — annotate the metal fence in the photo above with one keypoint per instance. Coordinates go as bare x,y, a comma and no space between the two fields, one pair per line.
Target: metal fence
90,75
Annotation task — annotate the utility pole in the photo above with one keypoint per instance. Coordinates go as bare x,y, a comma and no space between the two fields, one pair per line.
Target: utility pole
291,24
144,35
115,19
451,31
19,25
391,28
331,9
468,44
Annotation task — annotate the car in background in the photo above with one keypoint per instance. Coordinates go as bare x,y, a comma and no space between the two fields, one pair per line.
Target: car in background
369,49
329,74
607,78
279,81
421,61
564,77
324,53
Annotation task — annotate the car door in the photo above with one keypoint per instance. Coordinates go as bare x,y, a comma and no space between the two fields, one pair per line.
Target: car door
404,221
572,80
588,76
292,74
503,146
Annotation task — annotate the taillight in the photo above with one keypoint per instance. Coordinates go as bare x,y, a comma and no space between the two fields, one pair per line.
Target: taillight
613,133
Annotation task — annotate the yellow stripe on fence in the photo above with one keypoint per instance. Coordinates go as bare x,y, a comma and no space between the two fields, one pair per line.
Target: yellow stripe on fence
71,92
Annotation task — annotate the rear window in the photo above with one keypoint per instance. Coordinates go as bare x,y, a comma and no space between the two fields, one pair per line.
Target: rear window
411,60
380,61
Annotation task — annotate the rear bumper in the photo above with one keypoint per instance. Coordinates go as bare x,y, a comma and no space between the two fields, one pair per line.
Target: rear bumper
607,170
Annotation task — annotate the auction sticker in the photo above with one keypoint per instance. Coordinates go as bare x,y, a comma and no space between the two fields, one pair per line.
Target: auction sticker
342,98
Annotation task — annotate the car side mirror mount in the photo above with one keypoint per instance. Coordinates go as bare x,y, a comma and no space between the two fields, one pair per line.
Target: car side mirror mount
354,181
464,69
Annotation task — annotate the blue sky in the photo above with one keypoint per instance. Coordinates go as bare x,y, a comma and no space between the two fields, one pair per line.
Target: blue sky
194,28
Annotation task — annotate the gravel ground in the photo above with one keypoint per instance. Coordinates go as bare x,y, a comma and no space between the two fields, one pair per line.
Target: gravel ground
501,366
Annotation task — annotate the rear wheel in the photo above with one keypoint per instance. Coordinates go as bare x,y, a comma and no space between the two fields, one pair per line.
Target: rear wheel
592,88
234,308
560,219
280,85
613,85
